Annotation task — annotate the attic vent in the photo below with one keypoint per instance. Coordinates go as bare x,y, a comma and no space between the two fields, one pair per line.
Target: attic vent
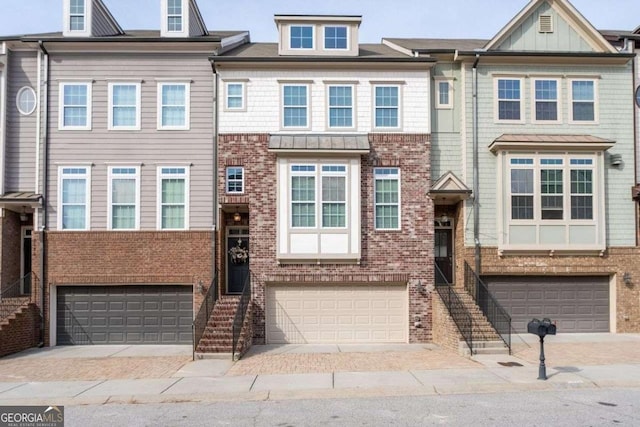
545,24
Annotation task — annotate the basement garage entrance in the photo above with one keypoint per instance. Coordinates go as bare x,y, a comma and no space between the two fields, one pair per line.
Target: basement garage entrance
133,314
312,314
577,304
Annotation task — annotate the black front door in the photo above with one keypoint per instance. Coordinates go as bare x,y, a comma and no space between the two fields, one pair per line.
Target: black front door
237,263
26,261
444,255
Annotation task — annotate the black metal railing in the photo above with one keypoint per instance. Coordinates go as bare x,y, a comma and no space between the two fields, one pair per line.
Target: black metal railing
457,310
241,313
17,294
490,307
204,313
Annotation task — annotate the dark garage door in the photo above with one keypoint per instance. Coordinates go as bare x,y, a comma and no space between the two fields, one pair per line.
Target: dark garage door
577,304
131,314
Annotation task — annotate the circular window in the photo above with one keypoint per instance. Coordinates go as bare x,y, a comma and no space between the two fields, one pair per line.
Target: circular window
638,96
26,101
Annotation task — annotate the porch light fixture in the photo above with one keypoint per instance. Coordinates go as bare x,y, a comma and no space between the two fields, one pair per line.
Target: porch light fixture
23,215
200,288
420,287
626,278
444,218
237,217
615,160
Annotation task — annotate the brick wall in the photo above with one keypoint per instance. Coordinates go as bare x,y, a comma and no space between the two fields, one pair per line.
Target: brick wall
21,331
11,248
446,333
387,257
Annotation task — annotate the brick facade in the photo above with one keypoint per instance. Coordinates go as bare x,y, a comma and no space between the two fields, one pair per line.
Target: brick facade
387,256
20,331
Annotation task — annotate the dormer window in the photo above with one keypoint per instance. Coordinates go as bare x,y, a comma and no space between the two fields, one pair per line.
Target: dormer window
335,37
174,16
301,37
77,14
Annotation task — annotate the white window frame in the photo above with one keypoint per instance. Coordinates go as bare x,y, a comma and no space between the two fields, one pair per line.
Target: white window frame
375,105
174,15
324,38
162,175
136,177
23,90
87,177
596,109
84,18
353,106
558,100
243,96
313,37
61,105
137,106
228,181
496,107
307,106
187,101
396,176
449,83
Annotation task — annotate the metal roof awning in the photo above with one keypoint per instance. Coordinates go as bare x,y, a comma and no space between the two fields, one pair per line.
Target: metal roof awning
550,142
16,199
343,144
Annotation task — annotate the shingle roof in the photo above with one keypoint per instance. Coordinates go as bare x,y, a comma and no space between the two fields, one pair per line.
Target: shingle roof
270,50
564,139
439,44
128,35
359,143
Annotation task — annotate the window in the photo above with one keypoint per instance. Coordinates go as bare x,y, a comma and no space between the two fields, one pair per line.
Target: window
235,96
331,196
174,16
444,98
546,100
295,106
340,106
77,15
124,106
173,198
173,106
26,101
73,198
509,100
235,180
75,106
387,198
303,196
301,37
387,106
581,189
124,198
335,37
583,100
521,189
334,196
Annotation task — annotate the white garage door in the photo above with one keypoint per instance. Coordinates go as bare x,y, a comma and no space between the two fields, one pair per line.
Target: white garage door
336,314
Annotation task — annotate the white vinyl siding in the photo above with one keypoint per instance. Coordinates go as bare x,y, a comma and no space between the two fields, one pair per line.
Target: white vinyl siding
74,205
173,106
387,198
75,106
124,106
124,198
173,198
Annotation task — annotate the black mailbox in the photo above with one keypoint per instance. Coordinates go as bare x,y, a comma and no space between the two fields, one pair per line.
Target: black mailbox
541,328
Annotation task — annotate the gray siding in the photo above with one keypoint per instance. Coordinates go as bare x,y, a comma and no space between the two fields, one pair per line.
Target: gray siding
148,146
100,25
21,145
194,28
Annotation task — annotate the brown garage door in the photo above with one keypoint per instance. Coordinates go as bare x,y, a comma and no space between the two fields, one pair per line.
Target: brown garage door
577,304
133,314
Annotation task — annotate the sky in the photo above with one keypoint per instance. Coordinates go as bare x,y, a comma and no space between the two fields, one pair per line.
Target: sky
381,18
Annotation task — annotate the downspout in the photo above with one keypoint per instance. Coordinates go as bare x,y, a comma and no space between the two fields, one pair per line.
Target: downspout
476,173
215,172
634,82
45,178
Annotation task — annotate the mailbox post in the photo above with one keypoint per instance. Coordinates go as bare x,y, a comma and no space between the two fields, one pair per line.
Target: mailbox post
541,328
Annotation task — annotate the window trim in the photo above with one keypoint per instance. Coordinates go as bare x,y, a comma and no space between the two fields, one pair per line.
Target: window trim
87,177
187,106
110,177
111,106
439,81
61,105
181,15
496,105
596,109
243,95
534,100
375,105
187,184
23,90
84,18
353,106
307,106
398,177
227,181
334,49
313,37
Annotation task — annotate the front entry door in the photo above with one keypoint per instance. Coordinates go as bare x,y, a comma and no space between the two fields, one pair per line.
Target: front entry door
444,254
237,259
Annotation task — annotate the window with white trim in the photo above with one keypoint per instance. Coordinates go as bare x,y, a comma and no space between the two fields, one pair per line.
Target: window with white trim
323,186
301,37
174,16
124,106
77,15
295,106
509,100
444,95
124,198
387,198
75,106
387,106
173,198
546,98
173,106
26,101
335,37
73,198
341,106
235,96
235,179
583,100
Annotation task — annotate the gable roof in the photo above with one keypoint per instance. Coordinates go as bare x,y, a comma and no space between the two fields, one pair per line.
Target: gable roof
569,12
116,29
195,13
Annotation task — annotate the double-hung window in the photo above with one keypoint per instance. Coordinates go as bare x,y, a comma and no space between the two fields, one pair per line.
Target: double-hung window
546,97
509,100
341,107
124,198
583,101
173,106
235,180
444,95
334,196
318,196
235,96
387,198
73,198
387,106
77,14
582,189
173,198
335,37
75,106
124,106
303,196
174,16
301,37
295,106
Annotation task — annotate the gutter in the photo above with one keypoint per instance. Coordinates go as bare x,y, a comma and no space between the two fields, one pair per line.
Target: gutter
636,135
214,191
476,172
3,116
45,178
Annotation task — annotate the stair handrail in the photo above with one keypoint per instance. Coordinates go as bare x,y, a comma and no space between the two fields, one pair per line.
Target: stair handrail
14,290
12,298
457,310
497,316
206,308
239,317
